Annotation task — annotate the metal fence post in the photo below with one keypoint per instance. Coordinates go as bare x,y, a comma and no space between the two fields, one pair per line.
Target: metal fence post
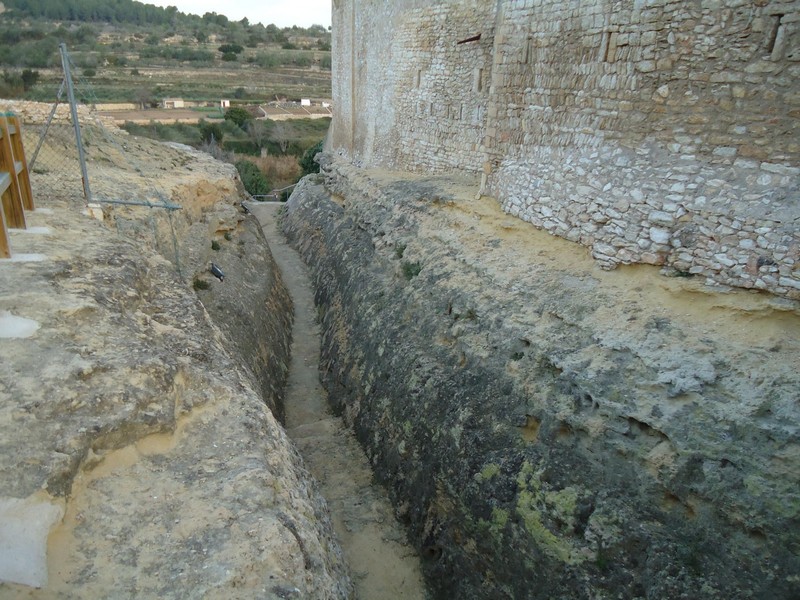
73,105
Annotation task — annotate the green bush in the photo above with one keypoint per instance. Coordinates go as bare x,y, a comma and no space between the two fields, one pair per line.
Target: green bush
410,270
209,131
242,147
200,284
29,78
252,178
231,49
238,115
307,163
267,61
115,60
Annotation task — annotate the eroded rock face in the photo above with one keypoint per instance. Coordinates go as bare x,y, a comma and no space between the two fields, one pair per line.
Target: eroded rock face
137,410
250,305
548,429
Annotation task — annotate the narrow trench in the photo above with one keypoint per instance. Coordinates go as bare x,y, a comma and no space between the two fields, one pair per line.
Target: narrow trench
383,565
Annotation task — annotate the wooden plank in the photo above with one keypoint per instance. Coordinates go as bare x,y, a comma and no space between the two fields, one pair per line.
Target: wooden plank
19,155
12,199
5,247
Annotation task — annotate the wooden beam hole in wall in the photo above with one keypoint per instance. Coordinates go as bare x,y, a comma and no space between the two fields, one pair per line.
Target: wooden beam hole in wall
474,38
773,34
477,80
605,45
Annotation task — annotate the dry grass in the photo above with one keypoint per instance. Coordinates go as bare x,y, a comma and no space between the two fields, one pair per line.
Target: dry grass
279,170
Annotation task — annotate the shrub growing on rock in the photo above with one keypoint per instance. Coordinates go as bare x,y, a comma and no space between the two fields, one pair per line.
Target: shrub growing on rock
252,178
307,162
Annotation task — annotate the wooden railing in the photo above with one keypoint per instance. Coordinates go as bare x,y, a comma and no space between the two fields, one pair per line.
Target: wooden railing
15,183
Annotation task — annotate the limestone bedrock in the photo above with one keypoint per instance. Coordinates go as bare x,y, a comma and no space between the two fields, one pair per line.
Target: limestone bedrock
547,428
145,413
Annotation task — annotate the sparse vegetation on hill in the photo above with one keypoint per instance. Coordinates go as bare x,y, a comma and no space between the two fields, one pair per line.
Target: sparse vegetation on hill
204,55
94,10
128,52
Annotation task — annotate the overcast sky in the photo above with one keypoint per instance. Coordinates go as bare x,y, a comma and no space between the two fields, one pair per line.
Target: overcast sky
283,13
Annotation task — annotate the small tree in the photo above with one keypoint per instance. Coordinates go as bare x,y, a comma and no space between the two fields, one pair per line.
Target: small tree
258,132
281,135
142,96
238,115
29,78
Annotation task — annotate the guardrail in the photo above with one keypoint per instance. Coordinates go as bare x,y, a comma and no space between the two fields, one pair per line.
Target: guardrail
274,195
15,182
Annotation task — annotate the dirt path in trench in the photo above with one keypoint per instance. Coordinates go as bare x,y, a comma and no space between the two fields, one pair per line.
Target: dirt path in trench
383,565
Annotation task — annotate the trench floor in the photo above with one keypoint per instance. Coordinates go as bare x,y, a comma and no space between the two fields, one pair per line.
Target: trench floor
383,565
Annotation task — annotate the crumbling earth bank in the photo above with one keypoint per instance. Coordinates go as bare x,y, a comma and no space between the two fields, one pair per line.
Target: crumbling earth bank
140,418
547,429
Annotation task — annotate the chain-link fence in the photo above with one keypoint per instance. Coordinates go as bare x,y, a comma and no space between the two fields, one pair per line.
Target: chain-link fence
95,164
53,161
91,164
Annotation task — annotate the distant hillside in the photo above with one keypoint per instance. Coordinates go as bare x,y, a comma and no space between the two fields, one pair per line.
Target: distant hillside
113,41
130,12
109,11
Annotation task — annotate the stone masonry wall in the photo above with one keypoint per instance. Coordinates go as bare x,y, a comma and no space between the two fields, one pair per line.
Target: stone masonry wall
656,131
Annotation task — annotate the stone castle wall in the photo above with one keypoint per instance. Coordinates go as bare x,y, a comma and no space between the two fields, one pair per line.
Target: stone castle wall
653,131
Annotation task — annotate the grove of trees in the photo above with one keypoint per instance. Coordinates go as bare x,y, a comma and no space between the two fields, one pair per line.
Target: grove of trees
110,11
